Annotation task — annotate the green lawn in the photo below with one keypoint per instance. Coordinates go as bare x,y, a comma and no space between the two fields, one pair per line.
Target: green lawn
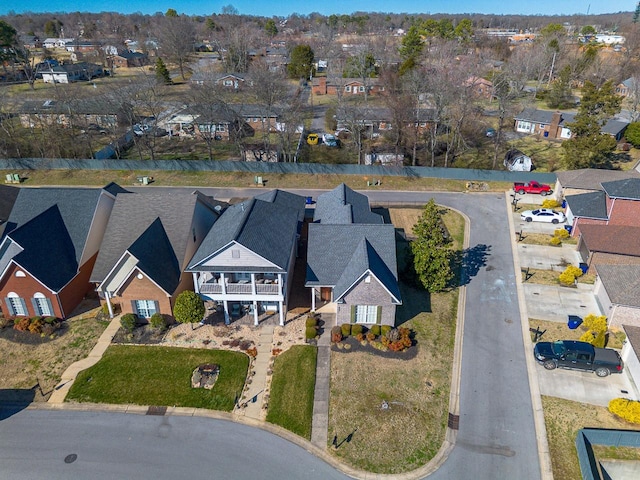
160,376
292,387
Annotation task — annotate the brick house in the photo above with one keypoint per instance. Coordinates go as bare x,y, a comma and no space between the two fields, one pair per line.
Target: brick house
481,87
148,242
553,125
609,244
80,113
351,260
50,245
72,72
245,264
618,203
346,86
128,59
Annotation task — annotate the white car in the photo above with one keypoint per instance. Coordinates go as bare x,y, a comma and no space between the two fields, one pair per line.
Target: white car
543,215
329,140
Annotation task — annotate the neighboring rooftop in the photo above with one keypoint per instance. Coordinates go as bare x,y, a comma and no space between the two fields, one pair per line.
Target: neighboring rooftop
589,205
627,189
592,178
342,205
622,283
616,239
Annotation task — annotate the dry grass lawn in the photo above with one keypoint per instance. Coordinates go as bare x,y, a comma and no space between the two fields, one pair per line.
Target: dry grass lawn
560,331
409,433
563,419
22,366
550,277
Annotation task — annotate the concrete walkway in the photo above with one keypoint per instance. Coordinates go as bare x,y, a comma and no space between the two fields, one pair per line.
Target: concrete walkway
255,394
320,423
70,374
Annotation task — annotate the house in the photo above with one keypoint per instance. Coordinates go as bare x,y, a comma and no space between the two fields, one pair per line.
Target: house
553,125
82,45
258,118
627,87
81,112
572,182
245,264
351,260
56,42
50,244
609,244
8,195
127,59
148,243
72,72
481,87
618,203
378,120
346,86
30,42
217,122
232,81
631,352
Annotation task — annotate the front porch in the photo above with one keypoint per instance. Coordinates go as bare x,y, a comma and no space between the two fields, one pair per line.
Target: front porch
244,313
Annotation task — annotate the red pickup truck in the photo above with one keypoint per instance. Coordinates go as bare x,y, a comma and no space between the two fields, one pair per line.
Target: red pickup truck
532,187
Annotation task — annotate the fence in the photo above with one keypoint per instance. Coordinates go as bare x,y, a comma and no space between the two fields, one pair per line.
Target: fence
266,168
589,465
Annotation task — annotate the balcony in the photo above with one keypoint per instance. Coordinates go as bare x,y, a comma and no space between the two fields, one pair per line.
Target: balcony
240,288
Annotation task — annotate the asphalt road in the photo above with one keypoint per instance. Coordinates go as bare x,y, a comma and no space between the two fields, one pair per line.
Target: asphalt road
496,437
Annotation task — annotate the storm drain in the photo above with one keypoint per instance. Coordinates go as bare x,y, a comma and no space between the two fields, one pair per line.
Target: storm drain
72,457
160,411
454,421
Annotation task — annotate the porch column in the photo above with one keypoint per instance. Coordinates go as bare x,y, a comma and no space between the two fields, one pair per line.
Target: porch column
253,284
196,284
281,313
255,311
313,299
223,282
225,304
109,306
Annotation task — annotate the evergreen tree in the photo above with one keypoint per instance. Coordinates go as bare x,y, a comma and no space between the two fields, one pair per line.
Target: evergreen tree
270,28
431,250
162,73
588,147
411,47
636,14
189,308
301,62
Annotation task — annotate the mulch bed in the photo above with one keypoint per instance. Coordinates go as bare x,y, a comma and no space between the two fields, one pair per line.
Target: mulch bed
141,335
28,338
356,346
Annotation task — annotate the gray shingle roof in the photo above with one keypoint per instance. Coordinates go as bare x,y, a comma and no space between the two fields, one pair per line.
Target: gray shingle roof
622,283
343,205
266,228
592,178
591,205
76,205
628,188
339,253
134,213
633,335
612,127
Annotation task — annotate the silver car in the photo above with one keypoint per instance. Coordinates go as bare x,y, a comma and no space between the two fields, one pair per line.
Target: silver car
543,215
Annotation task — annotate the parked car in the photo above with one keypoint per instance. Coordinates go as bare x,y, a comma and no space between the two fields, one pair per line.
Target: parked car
579,356
543,215
95,128
312,138
329,140
532,187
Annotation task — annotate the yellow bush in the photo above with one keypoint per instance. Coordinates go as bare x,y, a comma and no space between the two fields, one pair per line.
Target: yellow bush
561,233
575,271
596,323
567,278
628,410
550,203
587,337
555,241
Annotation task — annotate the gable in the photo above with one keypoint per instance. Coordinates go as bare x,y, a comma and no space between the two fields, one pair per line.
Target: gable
235,256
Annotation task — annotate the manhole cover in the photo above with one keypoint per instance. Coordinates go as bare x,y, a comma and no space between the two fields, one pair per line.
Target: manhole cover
72,457
454,421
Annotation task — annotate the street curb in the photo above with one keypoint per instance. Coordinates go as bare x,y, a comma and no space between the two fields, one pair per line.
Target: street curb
544,456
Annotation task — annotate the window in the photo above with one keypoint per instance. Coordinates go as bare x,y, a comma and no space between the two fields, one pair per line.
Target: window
235,253
228,83
361,88
347,88
42,305
366,313
16,305
220,127
145,308
20,274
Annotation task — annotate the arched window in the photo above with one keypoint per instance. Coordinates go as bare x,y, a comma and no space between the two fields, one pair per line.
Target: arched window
16,305
42,305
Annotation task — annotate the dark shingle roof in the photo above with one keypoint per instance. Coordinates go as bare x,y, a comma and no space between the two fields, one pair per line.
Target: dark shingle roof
76,205
592,178
49,253
267,229
633,335
343,205
616,239
8,195
622,283
612,127
628,188
131,218
591,205
339,253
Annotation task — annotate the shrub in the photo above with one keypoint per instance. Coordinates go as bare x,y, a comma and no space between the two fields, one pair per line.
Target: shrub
346,329
35,326
561,233
628,410
310,332
596,323
356,329
360,337
568,277
550,203
600,339
385,329
375,329
371,336
311,321
252,352
22,324
158,321
128,322
49,328
555,241
5,322
336,334
51,320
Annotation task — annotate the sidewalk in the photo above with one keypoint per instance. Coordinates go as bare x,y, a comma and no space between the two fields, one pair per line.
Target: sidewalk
70,374
320,423
255,394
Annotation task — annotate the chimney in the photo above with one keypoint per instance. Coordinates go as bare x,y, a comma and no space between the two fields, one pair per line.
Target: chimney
323,85
555,124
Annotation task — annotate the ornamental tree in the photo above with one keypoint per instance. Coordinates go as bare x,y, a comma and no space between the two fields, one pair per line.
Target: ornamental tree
189,308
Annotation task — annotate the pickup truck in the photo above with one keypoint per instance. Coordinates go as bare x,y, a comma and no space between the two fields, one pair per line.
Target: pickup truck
578,355
532,187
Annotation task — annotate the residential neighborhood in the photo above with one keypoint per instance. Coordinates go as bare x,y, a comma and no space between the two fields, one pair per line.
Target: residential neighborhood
405,245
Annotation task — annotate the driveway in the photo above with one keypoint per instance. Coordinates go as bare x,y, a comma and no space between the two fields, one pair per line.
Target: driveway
545,257
546,302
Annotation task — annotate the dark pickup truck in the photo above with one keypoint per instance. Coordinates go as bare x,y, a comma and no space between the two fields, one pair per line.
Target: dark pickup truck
532,187
579,356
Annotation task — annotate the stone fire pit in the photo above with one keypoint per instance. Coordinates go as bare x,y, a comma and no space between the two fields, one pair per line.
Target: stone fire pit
205,376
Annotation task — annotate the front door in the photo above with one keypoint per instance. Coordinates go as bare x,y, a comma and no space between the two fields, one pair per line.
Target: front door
325,294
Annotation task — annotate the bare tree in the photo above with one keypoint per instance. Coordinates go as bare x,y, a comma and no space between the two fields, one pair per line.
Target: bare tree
177,39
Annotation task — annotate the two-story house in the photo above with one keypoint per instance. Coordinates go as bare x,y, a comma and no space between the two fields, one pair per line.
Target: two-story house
245,263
